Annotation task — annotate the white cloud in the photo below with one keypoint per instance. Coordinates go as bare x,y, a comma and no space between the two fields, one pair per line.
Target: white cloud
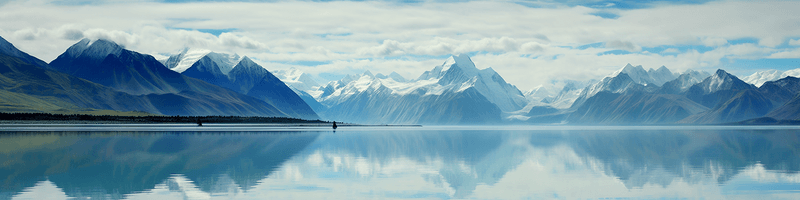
522,41
793,53
232,40
770,41
714,42
794,42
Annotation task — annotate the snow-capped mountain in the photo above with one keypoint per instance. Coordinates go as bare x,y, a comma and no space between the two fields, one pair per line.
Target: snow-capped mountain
661,75
455,92
187,57
109,64
243,75
460,69
537,95
721,80
567,96
250,78
394,75
298,80
761,77
683,82
640,76
625,79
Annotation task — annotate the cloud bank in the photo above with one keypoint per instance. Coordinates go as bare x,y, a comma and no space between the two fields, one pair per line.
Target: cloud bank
528,45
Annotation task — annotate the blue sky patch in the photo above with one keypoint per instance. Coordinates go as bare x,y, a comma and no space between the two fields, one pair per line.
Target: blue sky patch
606,15
614,52
215,32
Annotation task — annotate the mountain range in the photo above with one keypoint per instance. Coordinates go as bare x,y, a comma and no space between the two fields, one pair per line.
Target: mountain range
242,75
105,76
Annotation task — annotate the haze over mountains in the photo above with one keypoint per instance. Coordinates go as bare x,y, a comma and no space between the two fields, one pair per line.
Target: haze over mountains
102,75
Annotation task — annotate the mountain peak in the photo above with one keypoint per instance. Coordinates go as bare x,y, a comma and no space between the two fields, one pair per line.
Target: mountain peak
720,73
636,73
397,77
99,48
722,80
461,60
9,49
247,61
368,73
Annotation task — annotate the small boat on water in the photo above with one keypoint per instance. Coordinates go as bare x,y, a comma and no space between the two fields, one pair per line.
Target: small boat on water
334,125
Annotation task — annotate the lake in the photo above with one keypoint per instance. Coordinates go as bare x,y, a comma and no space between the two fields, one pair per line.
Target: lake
437,162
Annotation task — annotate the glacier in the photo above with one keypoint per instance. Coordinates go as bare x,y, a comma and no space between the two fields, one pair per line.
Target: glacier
761,77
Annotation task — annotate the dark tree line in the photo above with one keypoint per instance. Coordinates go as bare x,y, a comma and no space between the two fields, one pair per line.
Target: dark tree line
150,119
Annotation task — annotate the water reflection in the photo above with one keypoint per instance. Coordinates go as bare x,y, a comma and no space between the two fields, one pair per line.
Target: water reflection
506,164
112,165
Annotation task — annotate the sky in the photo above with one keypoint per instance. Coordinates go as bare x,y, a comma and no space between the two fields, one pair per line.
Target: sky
529,43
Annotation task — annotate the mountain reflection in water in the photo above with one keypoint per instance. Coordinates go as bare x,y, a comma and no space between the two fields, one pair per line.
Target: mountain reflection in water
403,163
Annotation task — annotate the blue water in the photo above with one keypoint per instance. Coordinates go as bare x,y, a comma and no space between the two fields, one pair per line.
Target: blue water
512,162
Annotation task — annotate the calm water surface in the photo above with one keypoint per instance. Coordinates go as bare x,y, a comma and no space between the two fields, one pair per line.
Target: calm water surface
130,162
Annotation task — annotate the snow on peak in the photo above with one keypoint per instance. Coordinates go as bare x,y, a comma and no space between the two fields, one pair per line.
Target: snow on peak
691,77
246,62
397,77
394,76
456,74
761,77
298,80
618,81
368,73
645,77
537,92
461,61
99,48
661,75
187,57
717,81
637,73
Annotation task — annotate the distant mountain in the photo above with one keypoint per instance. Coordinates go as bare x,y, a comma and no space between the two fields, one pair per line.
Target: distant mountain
745,104
189,57
634,108
782,90
719,98
206,69
619,82
460,69
729,98
453,93
762,77
651,76
788,111
661,75
245,77
8,49
297,79
784,94
250,78
683,82
109,64
567,96
538,96
620,99
394,76
303,85
716,89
